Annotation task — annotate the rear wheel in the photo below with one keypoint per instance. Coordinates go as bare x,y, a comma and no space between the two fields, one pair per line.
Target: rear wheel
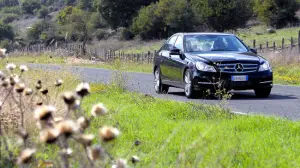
263,93
158,85
188,87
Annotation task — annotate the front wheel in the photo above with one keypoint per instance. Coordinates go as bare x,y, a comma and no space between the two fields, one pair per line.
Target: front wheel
188,84
158,85
263,93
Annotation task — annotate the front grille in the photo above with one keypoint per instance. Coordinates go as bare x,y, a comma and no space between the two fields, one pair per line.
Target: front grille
231,68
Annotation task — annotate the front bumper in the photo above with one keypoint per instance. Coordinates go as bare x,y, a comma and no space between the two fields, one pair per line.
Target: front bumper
209,80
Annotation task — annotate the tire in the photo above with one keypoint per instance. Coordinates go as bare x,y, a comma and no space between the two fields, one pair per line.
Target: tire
263,93
188,85
159,87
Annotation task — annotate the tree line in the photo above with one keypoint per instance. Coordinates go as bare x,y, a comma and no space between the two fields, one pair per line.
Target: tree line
84,20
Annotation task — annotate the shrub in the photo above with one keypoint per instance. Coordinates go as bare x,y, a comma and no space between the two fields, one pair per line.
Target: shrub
96,21
100,34
29,6
43,12
126,34
8,18
277,13
14,10
6,32
163,19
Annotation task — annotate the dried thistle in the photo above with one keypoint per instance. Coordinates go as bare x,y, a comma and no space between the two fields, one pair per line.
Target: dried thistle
66,152
25,156
83,123
20,87
108,133
135,159
44,91
99,110
96,152
28,92
2,75
58,82
14,79
86,139
121,163
39,103
38,85
69,98
67,127
44,112
83,89
11,67
23,68
5,82
49,135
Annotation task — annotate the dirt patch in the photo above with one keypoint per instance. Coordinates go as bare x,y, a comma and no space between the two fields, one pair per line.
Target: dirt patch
75,60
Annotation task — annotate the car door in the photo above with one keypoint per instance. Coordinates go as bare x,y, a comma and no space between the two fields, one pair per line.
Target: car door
165,65
177,63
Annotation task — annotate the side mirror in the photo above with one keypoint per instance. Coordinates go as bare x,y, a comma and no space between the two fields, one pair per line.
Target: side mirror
253,50
176,51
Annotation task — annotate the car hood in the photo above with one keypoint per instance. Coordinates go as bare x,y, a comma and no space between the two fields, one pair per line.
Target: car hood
227,57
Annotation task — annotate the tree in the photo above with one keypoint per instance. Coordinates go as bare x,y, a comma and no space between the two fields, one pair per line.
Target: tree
119,13
163,19
29,6
85,4
76,22
43,12
277,13
6,32
224,15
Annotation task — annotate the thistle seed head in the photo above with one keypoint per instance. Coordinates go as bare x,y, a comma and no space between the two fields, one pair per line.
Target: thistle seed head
20,87
44,112
69,98
49,135
121,163
5,82
108,133
58,82
86,139
83,123
22,133
28,92
83,89
96,152
11,67
67,127
44,91
99,110
25,156
135,159
23,68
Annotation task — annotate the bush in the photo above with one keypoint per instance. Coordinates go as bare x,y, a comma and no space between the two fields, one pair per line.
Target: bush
228,14
97,21
100,34
43,12
126,34
6,32
8,18
41,30
163,19
14,10
29,6
277,13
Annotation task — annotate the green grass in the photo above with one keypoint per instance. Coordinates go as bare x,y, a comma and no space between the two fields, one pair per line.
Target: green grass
287,74
45,59
194,135
144,48
249,35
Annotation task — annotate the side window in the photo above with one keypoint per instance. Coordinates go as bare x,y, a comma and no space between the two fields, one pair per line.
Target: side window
179,43
170,43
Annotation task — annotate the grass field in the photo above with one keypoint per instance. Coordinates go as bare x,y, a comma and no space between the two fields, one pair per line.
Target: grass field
177,134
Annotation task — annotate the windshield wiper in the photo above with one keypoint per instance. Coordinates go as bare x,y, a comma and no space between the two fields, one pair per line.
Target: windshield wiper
222,50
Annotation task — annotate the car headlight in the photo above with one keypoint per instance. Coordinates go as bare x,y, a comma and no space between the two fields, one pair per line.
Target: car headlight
265,66
201,66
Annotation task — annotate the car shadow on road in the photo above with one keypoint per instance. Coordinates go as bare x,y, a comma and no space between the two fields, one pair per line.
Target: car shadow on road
244,96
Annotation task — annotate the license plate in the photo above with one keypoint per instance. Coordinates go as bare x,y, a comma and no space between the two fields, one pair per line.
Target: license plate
239,78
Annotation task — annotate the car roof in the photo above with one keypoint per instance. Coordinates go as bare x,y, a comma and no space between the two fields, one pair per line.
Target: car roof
204,33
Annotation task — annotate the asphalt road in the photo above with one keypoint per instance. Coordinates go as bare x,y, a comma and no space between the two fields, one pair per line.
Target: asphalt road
283,101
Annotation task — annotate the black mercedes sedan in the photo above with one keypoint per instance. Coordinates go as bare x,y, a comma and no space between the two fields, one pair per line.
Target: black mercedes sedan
197,62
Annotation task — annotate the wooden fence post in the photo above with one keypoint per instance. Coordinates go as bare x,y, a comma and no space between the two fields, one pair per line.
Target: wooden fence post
267,45
282,44
299,41
254,43
274,46
292,42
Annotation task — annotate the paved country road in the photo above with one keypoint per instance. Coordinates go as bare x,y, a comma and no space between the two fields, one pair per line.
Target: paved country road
283,101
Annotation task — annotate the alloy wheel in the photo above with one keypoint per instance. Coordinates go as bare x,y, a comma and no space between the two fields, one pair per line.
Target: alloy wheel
188,83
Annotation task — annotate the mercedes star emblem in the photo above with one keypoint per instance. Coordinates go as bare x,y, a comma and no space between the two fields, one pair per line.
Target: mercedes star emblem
239,67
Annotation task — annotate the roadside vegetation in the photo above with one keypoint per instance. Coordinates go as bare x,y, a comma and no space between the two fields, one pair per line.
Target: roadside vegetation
189,135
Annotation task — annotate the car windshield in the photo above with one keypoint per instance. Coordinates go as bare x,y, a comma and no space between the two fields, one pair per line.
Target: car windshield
211,43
